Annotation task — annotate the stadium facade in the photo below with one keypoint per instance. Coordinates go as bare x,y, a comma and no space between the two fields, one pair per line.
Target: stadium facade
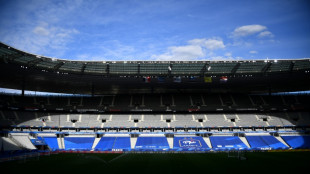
153,105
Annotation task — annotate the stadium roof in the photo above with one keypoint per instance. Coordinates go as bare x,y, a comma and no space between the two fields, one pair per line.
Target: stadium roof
12,55
39,68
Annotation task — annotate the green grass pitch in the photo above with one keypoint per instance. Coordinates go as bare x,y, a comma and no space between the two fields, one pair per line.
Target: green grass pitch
162,163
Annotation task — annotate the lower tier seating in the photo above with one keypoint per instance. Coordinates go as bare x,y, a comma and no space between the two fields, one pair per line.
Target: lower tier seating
78,143
151,143
227,143
298,142
190,143
265,142
155,142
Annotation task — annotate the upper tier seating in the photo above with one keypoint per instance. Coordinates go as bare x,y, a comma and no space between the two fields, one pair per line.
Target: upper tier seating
154,102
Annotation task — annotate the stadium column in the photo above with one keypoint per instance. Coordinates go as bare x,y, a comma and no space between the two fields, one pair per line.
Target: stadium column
23,88
92,89
170,69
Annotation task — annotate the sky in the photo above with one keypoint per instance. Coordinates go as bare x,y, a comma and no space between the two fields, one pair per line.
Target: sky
158,30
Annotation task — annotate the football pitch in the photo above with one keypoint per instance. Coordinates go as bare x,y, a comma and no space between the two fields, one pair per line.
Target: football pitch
162,163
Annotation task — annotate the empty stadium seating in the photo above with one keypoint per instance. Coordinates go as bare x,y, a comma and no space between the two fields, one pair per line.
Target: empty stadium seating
152,143
157,142
189,143
218,128
113,143
41,119
144,106
265,142
105,143
122,143
155,102
8,144
297,142
78,143
227,143
51,142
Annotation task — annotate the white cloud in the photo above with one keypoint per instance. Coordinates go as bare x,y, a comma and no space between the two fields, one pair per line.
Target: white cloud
195,49
247,30
228,54
253,52
117,50
249,35
41,31
43,28
188,51
265,34
41,38
211,44
110,50
223,58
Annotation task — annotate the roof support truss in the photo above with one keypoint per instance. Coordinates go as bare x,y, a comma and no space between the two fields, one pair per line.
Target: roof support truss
234,70
83,68
34,62
266,67
56,67
291,66
12,57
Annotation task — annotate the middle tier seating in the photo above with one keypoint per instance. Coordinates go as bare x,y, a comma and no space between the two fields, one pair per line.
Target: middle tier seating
40,119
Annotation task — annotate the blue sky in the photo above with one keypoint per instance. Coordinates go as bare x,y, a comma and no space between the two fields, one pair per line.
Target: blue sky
159,29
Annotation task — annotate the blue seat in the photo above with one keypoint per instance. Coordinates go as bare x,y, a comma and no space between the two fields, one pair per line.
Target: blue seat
227,143
265,142
105,144
113,143
122,143
51,142
189,143
297,142
152,143
79,143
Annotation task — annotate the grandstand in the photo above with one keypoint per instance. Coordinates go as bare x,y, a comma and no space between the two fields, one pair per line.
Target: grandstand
153,106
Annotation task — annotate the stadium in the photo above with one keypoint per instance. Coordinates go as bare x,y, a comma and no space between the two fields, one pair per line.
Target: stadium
145,107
